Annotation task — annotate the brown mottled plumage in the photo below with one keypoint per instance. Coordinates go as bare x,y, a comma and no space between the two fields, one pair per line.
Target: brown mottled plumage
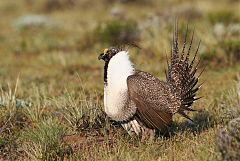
151,97
140,101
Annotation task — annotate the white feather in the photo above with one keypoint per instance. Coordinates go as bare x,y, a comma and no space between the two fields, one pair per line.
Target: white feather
115,93
132,127
136,127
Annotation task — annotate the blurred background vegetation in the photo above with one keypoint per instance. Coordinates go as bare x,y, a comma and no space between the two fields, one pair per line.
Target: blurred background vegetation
52,83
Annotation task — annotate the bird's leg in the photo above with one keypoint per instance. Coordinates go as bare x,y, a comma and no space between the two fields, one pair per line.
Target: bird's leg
148,134
127,127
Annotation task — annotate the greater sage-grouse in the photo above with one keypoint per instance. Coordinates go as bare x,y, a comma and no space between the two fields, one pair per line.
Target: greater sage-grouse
140,101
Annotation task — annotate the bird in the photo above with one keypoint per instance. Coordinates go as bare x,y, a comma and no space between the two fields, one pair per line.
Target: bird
142,103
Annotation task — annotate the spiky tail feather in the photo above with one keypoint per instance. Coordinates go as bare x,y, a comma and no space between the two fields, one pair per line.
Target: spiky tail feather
181,74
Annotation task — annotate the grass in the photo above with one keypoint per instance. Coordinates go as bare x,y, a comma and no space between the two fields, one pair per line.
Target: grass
44,141
51,102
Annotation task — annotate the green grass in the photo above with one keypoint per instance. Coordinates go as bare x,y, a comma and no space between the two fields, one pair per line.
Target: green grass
44,141
51,101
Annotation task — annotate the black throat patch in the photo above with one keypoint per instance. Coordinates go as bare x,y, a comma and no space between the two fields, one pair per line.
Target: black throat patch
105,72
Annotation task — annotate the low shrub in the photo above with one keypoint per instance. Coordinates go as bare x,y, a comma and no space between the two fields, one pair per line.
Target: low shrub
231,49
223,16
118,32
228,141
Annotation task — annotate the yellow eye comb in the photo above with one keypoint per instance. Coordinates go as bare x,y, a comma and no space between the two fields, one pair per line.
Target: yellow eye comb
105,50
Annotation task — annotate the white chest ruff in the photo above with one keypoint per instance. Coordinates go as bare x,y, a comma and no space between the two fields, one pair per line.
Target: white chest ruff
116,91
115,102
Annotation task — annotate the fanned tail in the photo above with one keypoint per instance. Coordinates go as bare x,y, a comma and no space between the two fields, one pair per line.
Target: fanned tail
181,74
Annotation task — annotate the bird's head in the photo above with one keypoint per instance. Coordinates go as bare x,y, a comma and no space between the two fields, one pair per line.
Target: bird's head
108,53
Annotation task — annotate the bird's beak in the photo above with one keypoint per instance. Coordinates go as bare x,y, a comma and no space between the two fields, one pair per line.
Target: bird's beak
101,56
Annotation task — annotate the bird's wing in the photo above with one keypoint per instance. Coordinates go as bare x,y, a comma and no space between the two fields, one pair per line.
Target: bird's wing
152,98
